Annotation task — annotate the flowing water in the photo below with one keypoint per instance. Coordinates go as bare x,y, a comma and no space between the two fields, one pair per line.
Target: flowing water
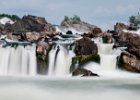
68,89
111,85
18,60
60,60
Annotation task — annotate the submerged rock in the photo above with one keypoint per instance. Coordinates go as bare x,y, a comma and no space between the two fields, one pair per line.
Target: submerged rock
83,72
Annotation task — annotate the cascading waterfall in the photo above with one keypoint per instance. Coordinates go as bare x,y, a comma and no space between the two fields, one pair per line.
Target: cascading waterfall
18,60
107,56
60,66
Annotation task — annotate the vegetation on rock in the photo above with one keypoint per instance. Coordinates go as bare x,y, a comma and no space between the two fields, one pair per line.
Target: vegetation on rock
134,20
12,17
75,19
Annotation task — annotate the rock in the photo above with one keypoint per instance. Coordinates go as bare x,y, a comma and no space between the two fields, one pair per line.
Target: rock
83,72
33,24
11,36
81,26
32,36
85,46
107,38
69,32
119,27
130,40
42,50
131,63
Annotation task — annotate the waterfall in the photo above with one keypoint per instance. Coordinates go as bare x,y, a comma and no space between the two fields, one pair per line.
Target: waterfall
18,60
60,61
52,54
107,56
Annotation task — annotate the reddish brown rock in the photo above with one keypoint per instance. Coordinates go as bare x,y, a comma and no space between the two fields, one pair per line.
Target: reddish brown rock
85,46
42,49
32,36
33,24
130,40
130,62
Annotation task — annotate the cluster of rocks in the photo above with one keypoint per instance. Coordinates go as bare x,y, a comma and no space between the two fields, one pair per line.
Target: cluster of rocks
36,29
130,58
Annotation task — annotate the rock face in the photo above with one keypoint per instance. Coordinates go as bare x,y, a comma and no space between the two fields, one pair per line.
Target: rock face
85,46
83,72
131,63
130,40
81,26
33,24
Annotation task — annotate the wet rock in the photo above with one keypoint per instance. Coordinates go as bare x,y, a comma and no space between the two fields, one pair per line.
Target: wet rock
42,50
11,36
83,72
85,46
130,62
107,38
69,32
131,41
32,36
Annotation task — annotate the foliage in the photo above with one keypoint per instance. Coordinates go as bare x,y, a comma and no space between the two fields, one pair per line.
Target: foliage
134,20
75,19
12,17
86,58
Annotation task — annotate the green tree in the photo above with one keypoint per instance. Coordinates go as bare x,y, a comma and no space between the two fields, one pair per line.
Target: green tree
12,17
134,20
76,19
66,18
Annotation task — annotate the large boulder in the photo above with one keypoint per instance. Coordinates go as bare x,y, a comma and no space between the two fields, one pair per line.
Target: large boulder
131,41
130,62
85,46
33,24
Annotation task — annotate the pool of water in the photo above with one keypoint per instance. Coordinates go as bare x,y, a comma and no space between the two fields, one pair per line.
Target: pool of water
45,88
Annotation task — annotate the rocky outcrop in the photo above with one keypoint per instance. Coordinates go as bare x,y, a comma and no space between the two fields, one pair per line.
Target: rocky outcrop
33,24
119,27
83,72
85,46
130,62
81,26
130,40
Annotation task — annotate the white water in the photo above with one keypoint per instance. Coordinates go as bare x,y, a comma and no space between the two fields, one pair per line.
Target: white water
63,61
18,60
63,30
69,89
